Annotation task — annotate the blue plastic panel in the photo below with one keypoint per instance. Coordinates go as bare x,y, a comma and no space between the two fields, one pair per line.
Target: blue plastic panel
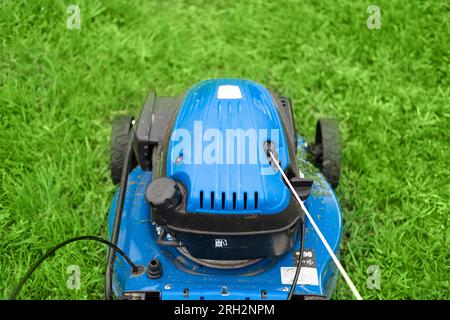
203,153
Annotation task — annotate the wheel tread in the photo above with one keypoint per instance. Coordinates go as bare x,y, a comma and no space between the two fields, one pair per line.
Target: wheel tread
327,137
119,141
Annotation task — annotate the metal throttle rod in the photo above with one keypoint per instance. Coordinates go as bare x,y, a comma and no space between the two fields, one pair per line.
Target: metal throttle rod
316,228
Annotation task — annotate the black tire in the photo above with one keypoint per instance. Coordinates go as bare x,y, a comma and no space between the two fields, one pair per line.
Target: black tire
119,140
327,150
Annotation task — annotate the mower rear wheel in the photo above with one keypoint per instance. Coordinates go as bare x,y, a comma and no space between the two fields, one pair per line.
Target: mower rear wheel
119,139
327,150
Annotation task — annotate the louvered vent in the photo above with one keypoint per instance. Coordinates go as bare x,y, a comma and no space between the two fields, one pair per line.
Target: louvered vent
243,203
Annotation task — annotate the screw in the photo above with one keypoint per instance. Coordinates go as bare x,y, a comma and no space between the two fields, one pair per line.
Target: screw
178,160
167,287
139,270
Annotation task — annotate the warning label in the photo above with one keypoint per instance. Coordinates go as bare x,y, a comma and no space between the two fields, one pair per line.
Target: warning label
308,272
306,276
308,259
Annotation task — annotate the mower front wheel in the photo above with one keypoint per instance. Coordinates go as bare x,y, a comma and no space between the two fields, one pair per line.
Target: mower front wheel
327,150
119,139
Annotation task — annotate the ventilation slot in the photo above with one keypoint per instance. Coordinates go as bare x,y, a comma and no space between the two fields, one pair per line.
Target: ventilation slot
245,200
220,201
223,200
201,199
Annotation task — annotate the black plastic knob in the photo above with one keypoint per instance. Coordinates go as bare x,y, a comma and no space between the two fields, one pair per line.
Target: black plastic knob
163,194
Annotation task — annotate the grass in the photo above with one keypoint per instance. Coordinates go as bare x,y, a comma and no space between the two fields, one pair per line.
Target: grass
60,88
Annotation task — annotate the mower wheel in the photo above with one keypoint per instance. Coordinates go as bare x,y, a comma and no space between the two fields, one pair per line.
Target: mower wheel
327,150
119,140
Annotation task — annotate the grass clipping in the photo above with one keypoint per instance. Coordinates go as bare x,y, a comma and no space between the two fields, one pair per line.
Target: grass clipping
319,189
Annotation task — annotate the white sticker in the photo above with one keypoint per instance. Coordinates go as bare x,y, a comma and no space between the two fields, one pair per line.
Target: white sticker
229,92
307,275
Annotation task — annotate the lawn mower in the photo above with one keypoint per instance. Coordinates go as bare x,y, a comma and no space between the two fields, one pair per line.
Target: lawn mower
214,187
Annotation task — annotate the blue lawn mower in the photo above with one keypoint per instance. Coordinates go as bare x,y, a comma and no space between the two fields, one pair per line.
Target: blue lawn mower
203,210
220,198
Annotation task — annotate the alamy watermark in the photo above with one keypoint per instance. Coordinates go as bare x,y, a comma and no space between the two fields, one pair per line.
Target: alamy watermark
74,19
74,280
214,146
374,19
374,277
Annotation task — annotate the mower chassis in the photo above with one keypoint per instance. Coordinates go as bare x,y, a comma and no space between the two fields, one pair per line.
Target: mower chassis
181,279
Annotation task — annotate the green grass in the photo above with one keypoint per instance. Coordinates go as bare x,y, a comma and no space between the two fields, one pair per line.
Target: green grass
60,88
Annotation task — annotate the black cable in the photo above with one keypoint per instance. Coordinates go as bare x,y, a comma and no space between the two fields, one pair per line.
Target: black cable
299,263
118,216
62,244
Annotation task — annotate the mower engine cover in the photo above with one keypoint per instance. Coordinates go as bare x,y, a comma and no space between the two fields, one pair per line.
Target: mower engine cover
214,191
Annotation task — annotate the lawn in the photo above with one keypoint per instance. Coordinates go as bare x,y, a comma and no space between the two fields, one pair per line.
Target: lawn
389,87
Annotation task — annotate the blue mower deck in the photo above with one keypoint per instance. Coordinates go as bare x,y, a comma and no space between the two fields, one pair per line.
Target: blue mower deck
183,279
